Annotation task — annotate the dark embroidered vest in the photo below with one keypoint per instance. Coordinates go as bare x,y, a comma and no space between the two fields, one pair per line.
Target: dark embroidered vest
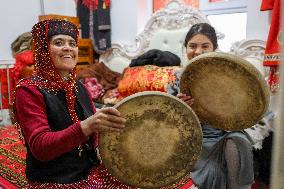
69,167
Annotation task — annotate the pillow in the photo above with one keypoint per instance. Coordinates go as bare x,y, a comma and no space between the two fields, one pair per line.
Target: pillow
146,78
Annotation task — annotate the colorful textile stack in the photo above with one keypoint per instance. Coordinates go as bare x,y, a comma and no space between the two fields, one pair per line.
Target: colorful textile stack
101,82
146,78
12,159
94,87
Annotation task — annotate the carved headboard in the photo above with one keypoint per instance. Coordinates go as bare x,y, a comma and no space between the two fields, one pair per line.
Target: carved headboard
253,51
165,30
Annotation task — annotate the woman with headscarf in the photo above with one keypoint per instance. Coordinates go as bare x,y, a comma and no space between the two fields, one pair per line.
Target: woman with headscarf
226,161
56,116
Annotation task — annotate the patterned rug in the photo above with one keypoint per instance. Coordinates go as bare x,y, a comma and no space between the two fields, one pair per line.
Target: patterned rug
12,159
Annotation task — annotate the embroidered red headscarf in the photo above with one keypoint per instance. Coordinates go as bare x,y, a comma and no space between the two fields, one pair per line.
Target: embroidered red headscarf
46,76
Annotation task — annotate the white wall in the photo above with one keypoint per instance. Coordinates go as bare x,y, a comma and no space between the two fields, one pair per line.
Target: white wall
18,16
128,18
63,7
124,21
257,21
144,13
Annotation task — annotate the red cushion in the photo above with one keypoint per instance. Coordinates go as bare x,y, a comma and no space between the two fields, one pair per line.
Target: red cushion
146,78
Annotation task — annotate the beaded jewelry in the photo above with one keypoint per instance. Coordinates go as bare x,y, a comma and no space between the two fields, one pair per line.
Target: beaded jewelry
46,75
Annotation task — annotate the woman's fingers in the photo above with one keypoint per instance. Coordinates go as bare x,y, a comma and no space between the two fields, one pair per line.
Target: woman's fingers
111,118
189,102
108,119
187,99
179,95
104,120
182,95
110,110
116,119
106,127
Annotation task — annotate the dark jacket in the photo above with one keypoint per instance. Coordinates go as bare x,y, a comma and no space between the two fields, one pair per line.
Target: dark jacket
156,57
69,167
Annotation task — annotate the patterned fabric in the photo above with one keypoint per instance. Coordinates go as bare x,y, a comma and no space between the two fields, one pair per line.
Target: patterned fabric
5,94
274,79
107,78
12,159
146,78
12,169
272,50
111,97
94,87
98,178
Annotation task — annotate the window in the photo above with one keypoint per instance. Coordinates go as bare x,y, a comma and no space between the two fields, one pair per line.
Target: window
232,25
226,16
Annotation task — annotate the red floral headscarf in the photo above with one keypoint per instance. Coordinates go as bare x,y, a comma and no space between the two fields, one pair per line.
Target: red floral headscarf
46,76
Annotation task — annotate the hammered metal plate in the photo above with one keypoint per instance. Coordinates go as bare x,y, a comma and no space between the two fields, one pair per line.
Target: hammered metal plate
229,92
160,144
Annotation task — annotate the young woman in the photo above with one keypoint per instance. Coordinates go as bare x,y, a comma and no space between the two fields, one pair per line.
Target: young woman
57,118
226,160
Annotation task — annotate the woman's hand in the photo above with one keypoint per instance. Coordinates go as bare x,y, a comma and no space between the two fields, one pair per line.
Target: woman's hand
187,99
104,120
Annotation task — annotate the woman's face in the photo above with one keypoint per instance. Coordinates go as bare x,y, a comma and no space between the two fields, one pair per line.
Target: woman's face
197,45
64,53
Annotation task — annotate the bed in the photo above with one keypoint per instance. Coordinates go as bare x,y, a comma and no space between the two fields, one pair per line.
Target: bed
253,51
165,30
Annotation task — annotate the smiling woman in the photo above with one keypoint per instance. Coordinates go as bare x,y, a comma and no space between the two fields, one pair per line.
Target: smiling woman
64,53
57,118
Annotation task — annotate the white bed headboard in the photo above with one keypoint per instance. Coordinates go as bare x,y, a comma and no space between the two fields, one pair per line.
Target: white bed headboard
165,30
253,51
